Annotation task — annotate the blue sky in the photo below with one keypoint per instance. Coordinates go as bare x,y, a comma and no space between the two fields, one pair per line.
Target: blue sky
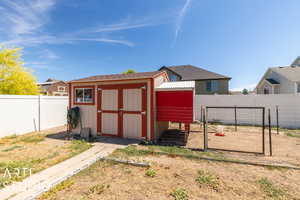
68,39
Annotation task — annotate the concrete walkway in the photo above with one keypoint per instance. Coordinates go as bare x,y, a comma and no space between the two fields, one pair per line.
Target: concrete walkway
33,186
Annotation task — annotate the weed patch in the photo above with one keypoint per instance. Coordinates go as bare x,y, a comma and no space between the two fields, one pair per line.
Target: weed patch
296,135
62,186
207,179
97,189
179,194
270,189
150,173
11,148
32,138
132,151
79,146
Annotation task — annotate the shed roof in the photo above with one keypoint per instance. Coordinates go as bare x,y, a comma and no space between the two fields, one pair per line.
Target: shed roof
190,72
115,77
177,85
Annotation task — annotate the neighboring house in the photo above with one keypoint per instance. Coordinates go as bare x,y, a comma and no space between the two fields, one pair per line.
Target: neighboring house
281,80
206,82
52,87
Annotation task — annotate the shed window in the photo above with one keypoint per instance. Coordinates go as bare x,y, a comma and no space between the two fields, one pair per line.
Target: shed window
84,95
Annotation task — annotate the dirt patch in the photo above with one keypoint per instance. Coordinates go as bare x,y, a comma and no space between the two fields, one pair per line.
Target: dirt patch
171,176
36,151
286,149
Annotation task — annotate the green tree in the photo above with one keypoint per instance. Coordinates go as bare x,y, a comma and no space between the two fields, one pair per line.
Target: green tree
245,91
14,77
129,71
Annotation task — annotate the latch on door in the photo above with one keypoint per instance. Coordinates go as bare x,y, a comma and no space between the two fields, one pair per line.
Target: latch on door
99,111
143,113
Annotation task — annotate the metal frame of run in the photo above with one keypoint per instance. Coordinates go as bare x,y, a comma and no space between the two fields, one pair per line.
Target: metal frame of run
204,111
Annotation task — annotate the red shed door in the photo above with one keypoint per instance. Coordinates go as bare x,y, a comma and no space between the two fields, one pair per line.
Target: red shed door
175,106
122,110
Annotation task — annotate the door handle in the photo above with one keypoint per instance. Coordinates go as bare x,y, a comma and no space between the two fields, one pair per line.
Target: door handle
143,113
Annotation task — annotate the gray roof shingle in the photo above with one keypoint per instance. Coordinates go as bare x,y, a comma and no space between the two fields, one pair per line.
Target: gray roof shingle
291,73
190,72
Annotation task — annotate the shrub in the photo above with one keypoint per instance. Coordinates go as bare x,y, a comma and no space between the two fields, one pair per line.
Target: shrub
179,194
270,189
97,189
207,179
150,173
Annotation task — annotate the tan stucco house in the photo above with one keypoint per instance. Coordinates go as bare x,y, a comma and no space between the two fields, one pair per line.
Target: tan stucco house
52,87
206,82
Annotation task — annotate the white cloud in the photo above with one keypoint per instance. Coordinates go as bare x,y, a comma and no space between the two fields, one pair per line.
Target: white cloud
25,17
180,18
248,87
39,40
48,54
24,21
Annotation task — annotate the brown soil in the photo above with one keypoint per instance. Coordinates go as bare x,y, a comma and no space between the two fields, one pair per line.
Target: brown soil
286,149
125,182
38,150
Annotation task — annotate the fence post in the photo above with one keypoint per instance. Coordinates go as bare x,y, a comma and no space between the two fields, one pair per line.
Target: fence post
263,131
205,129
235,119
277,120
270,132
39,111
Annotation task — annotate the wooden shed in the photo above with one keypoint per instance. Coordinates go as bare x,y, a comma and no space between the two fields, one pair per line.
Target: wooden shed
121,105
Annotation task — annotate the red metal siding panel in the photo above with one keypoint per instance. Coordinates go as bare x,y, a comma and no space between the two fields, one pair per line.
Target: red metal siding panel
175,106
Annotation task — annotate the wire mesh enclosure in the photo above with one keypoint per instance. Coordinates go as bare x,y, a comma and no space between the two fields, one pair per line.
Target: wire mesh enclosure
232,133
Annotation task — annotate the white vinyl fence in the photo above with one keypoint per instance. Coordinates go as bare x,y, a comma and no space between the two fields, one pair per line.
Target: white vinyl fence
21,114
288,108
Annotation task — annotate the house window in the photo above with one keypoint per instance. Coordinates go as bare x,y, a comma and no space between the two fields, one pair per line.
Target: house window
298,87
173,77
212,86
84,95
61,88
266,90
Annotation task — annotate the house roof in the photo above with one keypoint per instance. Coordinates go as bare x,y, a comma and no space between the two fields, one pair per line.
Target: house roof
176,85
113,77
272,81
190,72
291,73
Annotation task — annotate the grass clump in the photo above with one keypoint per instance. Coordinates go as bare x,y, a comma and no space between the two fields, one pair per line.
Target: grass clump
13,171
207,179
270,189
62,186
150,173
32,138
132,151
97,189
78,146
179,194
11,148
296,135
